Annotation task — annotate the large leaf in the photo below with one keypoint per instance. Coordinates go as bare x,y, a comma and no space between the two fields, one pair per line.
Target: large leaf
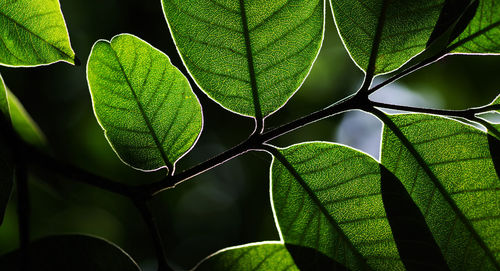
71,252
145,105
328,197
33,32
249,55
447,168
6,160
381,35
258,257
482,35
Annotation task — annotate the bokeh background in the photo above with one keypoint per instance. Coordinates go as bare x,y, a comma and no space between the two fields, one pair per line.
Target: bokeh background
230,204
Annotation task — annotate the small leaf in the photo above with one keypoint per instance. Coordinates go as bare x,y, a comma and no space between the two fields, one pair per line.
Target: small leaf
250,56
6,159
447,168
258,257
381,35
71,252
482,35
417,247
33,32
328,197
23,124
145,105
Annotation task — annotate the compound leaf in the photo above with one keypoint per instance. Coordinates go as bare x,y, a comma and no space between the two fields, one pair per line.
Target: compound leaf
33,32
381,35
250,56
71,252
328,197
482,35
447,168
145,105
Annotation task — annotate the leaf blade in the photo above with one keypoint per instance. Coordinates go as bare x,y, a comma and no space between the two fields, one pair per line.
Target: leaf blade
33,33
328,197
147,109
460,219
248,56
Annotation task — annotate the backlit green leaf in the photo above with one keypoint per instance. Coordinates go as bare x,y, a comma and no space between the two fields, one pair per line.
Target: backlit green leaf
381,35
328,197
249,55
145,105
449,172
33,32
257,257
482,35
71,252
6,162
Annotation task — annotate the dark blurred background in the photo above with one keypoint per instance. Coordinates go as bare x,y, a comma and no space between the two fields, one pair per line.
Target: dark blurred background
226,206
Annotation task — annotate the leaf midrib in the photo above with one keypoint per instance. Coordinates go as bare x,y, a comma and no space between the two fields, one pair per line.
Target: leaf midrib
163,155
406,143
370,70
36,35
250,62
276,153
472,37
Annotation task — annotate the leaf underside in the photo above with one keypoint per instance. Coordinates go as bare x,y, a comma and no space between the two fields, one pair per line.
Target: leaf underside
33,32
249,56
328,197
149,113
453,182
381,35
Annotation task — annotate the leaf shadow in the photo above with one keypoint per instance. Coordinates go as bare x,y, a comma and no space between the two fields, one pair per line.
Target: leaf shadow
309,259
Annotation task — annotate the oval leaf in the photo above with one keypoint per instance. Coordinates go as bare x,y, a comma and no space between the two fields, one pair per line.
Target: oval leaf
250,56
447,168
33,32
258,257
145,105
381,35
328,197
71,252
482,35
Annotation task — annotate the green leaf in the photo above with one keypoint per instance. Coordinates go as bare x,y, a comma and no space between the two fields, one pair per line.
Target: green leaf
259,256
33,32
416,246
447,168
249,56
23,124
482,35
6,159
71,252
145,105
328,197
381,35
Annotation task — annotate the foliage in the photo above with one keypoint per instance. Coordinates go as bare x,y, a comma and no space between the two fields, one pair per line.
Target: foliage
430,203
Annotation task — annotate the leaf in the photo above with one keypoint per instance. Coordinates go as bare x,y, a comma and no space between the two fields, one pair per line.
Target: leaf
328,197
482,35
258,256
416,246
32,33
145,105
249,56
6,159
23,124
447,168
381,35
72,252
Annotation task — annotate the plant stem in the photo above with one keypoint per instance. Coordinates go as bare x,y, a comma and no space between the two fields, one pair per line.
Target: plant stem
148,217
255,142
